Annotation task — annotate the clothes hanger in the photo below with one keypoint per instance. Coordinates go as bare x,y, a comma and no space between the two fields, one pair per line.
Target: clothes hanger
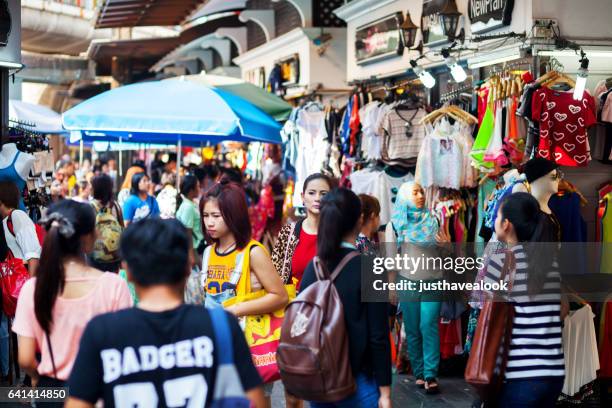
467,117
561,78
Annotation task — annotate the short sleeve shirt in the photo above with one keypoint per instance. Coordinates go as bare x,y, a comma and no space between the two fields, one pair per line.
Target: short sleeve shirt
139,358
23,241
70,316
563,126
189,216
135,209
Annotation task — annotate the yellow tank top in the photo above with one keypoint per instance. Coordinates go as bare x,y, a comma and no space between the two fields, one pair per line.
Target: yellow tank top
220,269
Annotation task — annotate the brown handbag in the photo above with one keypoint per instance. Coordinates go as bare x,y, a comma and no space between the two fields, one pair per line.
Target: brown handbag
488,357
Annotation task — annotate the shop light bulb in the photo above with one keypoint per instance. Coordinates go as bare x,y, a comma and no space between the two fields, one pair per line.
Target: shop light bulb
456,70
580,85
583,73
425,76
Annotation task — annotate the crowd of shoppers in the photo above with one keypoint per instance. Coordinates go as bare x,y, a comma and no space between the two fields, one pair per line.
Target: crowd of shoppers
171,251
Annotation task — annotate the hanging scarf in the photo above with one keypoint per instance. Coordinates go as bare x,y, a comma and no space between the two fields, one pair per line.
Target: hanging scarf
412,224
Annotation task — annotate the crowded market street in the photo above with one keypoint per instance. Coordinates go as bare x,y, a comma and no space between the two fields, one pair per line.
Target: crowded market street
306,203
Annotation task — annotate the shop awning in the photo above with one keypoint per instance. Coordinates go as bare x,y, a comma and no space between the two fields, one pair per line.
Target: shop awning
217,6
169,112
132,13
144,53
36,117
273,105
141,53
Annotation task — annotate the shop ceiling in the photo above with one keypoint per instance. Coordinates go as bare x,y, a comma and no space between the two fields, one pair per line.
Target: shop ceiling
132,13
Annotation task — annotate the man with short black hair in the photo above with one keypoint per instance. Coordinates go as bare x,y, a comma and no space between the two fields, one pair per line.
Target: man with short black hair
162,352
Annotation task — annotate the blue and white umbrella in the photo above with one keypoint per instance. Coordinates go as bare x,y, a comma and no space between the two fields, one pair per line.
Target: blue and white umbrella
169,112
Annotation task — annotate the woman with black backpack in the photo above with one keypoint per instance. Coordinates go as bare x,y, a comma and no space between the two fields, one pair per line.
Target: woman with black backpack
366,323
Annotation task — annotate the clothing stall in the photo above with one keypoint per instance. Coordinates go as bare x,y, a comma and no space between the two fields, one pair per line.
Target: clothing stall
466,141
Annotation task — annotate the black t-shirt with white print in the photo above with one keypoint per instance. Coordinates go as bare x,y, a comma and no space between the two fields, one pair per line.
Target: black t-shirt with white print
136,358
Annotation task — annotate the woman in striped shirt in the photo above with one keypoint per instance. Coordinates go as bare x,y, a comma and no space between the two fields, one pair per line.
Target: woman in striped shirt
535,367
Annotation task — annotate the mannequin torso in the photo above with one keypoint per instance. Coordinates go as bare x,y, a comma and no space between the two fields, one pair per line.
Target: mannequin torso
23,164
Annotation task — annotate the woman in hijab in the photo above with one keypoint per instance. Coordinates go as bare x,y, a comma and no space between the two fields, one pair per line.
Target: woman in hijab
126,187
415,231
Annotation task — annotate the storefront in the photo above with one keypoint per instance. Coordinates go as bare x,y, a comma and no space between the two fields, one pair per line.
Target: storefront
299,62
523,79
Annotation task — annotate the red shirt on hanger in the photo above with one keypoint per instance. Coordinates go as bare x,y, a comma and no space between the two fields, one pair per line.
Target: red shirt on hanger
563,126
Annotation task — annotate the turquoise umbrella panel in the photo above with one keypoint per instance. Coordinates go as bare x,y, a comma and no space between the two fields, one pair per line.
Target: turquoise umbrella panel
164,111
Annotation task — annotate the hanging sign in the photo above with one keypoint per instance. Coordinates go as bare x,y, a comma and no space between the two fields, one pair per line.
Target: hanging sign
431,23
486,15
10,33
290,70
379,40
6,22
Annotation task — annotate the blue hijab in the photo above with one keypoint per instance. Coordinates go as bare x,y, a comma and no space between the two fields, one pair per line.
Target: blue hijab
412,224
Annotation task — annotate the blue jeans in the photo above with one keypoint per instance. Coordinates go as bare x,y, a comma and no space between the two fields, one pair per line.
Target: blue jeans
530,393
4,344
366,396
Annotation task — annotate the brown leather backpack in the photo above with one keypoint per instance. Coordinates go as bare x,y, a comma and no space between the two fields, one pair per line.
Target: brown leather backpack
313,352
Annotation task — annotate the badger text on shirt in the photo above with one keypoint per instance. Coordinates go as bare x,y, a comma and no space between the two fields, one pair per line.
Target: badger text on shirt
197,352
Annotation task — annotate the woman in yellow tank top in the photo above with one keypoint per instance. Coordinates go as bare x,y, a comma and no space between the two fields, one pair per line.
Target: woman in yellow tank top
226,223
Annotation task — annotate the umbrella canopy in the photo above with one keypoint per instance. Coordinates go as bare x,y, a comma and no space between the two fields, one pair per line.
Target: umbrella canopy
273,105
168,112
42,119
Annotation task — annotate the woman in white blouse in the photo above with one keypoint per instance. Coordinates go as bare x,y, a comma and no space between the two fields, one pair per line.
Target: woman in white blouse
21,238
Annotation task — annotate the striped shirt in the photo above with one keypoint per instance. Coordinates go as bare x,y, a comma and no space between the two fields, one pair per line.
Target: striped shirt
536,349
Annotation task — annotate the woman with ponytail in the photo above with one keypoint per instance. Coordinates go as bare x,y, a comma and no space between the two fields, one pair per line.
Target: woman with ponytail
535,366
366,323
55,306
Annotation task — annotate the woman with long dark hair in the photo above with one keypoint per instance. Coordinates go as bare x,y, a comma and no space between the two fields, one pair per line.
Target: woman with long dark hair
297,242
535,366
366,323
55,306
140,204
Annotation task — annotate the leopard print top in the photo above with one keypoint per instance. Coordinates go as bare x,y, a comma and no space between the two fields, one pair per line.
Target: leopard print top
284,248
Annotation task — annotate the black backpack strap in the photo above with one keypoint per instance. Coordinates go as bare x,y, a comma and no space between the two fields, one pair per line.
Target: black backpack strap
48,335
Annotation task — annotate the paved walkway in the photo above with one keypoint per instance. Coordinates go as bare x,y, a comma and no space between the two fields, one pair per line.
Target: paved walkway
455,393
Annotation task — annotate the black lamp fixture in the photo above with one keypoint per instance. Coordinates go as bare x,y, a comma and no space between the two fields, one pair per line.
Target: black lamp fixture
449,17
409,33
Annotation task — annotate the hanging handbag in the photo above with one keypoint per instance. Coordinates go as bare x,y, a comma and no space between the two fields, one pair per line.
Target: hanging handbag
262,331
487,361
13,274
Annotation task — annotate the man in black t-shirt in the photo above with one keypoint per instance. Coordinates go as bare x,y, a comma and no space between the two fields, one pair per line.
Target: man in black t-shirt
162,353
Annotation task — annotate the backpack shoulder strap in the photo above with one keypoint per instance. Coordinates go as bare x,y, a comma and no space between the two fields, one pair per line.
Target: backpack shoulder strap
347,258
319,269
9,223
205,258
223,336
